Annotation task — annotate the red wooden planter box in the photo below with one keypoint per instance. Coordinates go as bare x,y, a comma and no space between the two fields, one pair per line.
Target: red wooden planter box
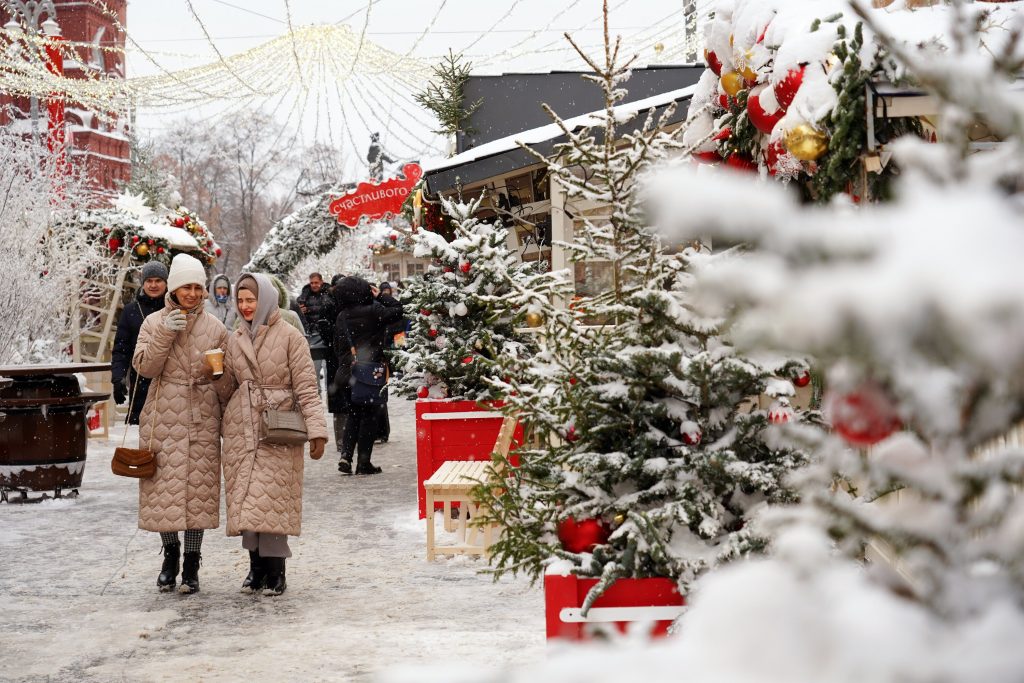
656,602
447,430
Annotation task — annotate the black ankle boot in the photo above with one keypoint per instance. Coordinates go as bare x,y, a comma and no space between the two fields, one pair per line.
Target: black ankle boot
190,573
257,573
169,571
368,469
274,584
345,466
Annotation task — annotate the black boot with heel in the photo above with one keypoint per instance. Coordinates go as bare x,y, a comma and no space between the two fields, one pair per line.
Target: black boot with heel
169,571
257,573
190,573
274,584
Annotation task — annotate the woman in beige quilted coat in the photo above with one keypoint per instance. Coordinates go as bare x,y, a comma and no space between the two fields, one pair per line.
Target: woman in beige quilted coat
181,422
267,359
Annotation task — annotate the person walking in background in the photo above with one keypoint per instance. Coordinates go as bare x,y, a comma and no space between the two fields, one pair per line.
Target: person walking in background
220,305
269,366
129,386
362,325
181,422
315,303
284,305
385,298
339,412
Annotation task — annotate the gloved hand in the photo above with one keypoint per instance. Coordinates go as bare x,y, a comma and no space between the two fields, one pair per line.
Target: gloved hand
316,448
175,320
120,392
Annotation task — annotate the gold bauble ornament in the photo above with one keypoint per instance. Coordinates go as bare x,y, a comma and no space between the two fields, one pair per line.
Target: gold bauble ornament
142,249
619,519
732,82
806,142
745,69
659,48
534,319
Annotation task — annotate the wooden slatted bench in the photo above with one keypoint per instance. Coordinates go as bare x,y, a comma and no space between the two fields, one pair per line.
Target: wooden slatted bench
453,482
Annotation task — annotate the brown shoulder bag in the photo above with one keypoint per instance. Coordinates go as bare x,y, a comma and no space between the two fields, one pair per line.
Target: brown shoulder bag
136,463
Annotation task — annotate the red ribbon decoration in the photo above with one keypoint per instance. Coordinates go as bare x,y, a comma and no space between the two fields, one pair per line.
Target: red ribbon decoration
376,201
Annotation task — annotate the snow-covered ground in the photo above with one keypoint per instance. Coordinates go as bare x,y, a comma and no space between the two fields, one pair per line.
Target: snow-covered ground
79,599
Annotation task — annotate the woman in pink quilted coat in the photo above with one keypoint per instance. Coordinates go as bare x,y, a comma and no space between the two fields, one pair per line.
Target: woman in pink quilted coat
181,422
269,361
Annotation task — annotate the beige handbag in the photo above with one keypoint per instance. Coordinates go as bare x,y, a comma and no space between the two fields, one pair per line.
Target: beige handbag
279,427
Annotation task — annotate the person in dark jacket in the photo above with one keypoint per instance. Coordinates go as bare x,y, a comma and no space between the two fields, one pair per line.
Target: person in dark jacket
315,303
388,301
366,325
124,378
326,328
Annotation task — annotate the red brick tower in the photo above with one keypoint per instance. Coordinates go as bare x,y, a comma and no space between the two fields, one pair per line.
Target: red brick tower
99,145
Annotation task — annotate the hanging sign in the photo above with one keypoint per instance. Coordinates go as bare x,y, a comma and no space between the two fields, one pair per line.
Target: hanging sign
375,201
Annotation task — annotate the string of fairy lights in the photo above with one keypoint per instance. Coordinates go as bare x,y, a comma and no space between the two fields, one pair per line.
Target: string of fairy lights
338,75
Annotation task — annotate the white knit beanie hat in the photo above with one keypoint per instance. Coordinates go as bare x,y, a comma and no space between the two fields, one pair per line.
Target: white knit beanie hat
186,270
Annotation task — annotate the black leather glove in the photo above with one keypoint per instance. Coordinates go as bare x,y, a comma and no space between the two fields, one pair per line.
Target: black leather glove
120,393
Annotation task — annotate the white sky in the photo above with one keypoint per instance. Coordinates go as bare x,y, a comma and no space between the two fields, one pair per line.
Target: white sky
525,33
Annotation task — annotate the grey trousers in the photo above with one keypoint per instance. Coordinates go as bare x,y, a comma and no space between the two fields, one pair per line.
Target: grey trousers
268,545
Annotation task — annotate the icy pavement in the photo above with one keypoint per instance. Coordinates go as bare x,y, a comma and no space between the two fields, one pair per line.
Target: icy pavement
79,598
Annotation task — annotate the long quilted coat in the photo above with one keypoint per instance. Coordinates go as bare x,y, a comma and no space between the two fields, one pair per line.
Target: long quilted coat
263,482
181,419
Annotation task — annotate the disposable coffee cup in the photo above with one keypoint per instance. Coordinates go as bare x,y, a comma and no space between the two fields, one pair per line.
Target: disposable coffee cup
215,359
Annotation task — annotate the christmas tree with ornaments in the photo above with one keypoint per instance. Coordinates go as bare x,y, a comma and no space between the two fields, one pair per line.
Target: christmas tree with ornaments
652,451
785,94
468,309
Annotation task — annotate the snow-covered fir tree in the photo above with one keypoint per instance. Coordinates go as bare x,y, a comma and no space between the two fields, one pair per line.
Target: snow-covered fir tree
912,502
466,309
652,454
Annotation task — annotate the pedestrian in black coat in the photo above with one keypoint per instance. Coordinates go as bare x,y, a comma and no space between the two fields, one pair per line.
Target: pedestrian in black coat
123,376
367,326
385,299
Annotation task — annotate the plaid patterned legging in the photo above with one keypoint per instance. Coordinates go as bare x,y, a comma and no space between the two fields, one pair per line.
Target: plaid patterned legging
193,539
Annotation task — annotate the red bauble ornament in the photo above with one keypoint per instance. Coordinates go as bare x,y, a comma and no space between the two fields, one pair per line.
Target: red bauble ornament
114,244
762,120
573,381
393,237
864,416
723,100
159,250
423,392
149,242
135,239
707,157
741,162
582,536
432,333
785,90
217,251
570,434
424,312
106,231
179,222
465,266
692,438
714,63
803,379
467,360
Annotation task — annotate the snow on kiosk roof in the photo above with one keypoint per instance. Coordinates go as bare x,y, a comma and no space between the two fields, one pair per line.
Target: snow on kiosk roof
504,154
178,238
